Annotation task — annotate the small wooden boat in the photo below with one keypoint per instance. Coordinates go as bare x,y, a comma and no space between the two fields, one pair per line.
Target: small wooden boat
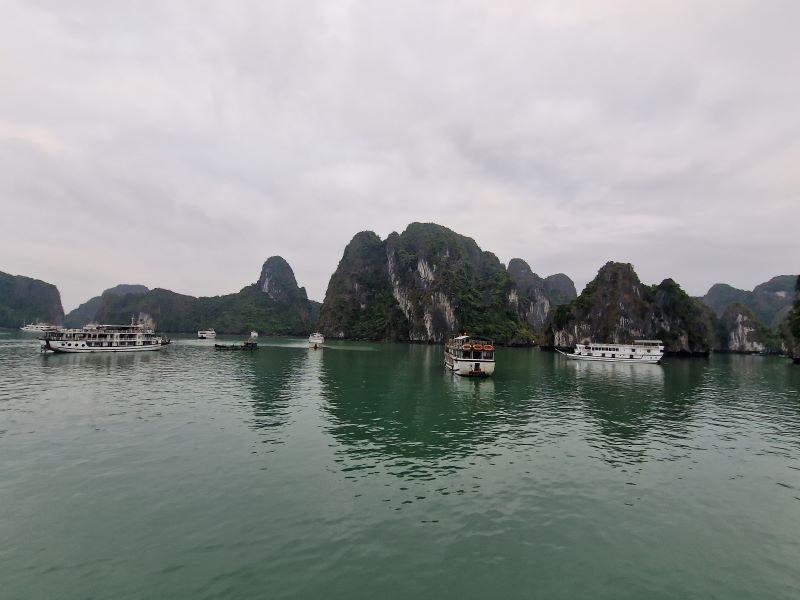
244,346
250,344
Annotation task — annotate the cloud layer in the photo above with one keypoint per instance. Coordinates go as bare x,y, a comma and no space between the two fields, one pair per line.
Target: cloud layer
179,144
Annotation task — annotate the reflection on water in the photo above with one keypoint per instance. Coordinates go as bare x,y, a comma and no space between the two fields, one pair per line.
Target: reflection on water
322,473
618,374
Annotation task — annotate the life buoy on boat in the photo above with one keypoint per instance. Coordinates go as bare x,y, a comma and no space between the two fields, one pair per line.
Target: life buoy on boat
466,347
477,347
488,348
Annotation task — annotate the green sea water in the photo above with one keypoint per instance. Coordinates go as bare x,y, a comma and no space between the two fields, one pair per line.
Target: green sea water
368,471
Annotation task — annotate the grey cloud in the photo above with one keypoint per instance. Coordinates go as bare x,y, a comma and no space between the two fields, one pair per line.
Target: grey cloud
218,134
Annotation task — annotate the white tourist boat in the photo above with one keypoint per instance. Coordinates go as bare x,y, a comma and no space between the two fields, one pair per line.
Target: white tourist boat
101,338
206,334
471,356
316,339
640,351
38,327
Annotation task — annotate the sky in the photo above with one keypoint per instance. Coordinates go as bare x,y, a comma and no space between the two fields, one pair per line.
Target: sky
180,144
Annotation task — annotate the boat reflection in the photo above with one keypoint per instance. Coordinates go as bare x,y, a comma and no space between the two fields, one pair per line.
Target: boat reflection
400,409
618,373
629,406
97,361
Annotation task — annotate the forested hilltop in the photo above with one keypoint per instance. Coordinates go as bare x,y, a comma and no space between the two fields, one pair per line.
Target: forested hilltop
426,284
617,307
274,305
87,311
769,302
24,300
790,329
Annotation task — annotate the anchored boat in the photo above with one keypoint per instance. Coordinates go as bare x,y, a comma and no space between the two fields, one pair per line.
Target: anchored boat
38,327
249,344
471,356
641,351
206,334
101,338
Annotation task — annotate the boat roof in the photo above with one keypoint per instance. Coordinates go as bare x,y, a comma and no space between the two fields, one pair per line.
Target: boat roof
472,337
622,343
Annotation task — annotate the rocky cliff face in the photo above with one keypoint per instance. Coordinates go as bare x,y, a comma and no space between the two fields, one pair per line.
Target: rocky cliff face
421,285
770,302
534,296
740,331
87,311
616,307
277,281
25,300
790,328
275,305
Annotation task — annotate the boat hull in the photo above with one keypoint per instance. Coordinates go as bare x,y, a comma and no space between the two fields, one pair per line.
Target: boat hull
73,350
645,360
468,367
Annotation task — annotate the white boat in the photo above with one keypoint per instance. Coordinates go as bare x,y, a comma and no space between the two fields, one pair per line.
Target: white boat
38,327
253,335
315,340
101,338
640,351
206,334
471,356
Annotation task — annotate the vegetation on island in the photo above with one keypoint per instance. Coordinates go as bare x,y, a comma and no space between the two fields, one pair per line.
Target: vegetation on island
617,307
275,305
790,329
87,311
770,301
25,300
422,285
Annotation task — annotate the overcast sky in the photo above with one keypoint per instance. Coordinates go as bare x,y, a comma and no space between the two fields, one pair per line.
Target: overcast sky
180,144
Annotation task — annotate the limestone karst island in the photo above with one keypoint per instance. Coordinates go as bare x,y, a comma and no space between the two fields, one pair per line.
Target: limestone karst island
367,299
429,283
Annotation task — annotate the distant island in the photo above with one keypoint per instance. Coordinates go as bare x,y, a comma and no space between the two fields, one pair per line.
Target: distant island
428,282
26,300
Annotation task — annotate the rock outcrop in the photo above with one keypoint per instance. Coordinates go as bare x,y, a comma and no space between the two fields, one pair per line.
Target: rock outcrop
24,300
770,302
616,307
421,285
739,330
790,328
274,305
87,311
534,296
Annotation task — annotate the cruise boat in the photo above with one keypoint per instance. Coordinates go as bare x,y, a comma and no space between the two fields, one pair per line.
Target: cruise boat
315,340
641,351
469,355
101,338
206,334
38,327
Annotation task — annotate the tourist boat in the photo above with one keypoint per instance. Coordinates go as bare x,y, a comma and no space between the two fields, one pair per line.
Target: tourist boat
101,338
641,351
38,327
469,355
206,334
316,339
